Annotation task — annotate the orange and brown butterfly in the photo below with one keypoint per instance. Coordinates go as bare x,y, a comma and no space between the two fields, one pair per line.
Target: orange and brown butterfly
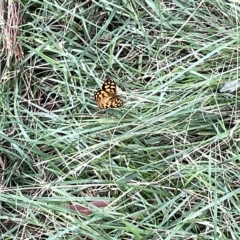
107,96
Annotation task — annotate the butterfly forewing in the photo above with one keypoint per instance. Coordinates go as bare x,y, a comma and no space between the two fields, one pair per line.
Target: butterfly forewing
107,96
109,86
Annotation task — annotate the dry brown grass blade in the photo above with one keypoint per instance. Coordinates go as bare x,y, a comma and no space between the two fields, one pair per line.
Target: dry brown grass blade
11,29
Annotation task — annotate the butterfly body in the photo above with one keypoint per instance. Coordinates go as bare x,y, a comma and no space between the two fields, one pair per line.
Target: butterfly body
107,96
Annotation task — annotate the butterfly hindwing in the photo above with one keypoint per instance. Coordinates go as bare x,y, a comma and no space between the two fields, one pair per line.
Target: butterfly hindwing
116,103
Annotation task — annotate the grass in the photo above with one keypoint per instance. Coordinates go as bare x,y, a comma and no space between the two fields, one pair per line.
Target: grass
166,164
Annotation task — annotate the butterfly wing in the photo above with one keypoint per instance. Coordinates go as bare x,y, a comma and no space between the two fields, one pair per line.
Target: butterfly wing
109,86
116,102
100,97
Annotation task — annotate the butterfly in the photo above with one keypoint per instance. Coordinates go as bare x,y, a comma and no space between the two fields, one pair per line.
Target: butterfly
107,96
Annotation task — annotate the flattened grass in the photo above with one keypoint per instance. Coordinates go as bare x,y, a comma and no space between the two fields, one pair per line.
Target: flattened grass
167,162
